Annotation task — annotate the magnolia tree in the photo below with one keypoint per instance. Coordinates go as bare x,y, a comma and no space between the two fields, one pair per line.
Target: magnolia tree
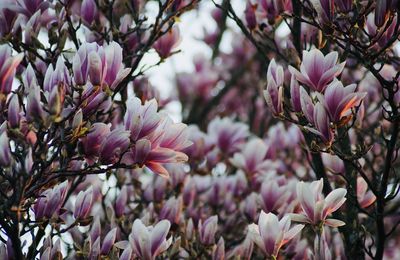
287,147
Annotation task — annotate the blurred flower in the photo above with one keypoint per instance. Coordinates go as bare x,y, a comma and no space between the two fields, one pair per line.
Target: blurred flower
382,11
219,250
167,42
5,152
121,201
344,5
172,210
83,204
272,195
252,157
316,208
317,70
271,233
208,229
324,8
226,134
365,198
250,15
149,242
108,241
88,11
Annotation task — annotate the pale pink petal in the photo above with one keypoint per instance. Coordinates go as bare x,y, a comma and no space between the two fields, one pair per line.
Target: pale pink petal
334,223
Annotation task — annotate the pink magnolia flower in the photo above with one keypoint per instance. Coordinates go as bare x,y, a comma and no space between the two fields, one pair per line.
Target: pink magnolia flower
88,11
167,42
58,76
322,124
295,97
8,65
252,157
317,70
333,163
226,134
113,146
273,195
219,250
208,229
250,15
163,143
5,152
108,241
316,208
172,210
339,100
271,233
149,242
274,92
141,120
102,64
365,198
48,205
307,106
83,204
34,107
92,141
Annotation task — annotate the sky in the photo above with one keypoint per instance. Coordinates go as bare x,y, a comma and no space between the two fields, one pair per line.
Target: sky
191,26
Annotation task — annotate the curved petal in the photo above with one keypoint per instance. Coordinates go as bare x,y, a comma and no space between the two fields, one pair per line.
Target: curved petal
158,235
334,223
334,200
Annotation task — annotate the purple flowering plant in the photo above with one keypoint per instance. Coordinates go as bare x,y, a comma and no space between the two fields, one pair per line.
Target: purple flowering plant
285,145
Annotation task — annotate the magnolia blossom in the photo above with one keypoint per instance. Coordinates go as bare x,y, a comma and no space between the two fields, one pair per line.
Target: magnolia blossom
149,242
88,11
271,233
226,134
365,198
316,208
339,100
100,64
317,70
322,124
83,204
8,64
295,98
50,202
167,42
208,229
307,106
273,195
5,152
274,92
252,157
